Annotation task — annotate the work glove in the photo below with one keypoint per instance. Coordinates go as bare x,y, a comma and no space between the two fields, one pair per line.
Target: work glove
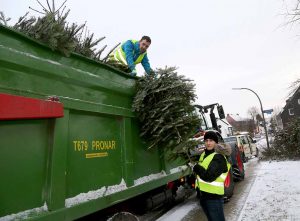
197,169
191,165
133,73
153,74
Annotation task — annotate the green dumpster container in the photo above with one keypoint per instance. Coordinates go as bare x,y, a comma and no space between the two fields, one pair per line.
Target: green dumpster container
70,144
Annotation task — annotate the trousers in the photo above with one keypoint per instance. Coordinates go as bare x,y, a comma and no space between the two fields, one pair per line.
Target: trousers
213,209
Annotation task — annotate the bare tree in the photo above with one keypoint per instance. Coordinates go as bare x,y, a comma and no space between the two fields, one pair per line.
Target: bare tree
293,18
292,12
255,116
294,87
3,19
253,111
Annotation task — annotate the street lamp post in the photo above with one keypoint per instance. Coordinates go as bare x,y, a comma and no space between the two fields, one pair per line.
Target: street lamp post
262,111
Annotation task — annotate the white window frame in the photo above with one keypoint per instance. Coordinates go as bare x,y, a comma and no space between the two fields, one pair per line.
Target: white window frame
291,111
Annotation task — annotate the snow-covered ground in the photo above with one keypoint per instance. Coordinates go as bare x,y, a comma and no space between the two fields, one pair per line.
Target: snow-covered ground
261,143
179,212
275,194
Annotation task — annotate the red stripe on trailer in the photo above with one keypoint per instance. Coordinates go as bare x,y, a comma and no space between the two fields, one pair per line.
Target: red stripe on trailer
14,107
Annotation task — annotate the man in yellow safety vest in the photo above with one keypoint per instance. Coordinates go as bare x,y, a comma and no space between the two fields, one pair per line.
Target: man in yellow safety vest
133,52
211,172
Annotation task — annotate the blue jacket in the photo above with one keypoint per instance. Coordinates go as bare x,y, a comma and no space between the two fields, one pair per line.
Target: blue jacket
132,52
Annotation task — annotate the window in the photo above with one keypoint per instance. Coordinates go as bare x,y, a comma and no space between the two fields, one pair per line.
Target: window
250,139
230,139
220,139
239,141
299,101
244,140
291,111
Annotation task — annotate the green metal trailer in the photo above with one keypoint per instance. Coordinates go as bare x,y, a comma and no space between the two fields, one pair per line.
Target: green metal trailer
70,144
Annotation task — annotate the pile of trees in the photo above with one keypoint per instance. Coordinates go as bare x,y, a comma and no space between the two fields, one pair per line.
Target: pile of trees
163,105
53,30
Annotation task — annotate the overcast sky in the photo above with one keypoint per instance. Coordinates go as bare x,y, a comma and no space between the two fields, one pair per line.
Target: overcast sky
219,44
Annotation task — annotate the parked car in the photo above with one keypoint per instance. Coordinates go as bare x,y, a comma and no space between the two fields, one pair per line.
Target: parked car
246,144
237,160
257,135
249,145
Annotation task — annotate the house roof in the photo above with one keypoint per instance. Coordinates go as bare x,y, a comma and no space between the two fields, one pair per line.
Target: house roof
237,117
297,92
223,122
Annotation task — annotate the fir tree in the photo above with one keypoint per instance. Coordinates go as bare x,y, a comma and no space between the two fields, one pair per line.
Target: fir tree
53,30
163,105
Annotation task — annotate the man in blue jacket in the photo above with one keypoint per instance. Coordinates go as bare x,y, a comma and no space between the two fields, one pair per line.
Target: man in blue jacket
133,52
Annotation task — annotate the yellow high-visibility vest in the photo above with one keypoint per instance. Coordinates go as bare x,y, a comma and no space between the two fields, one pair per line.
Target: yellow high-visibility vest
216,186
120,55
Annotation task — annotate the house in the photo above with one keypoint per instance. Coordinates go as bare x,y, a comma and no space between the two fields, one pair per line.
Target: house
241,124
291,109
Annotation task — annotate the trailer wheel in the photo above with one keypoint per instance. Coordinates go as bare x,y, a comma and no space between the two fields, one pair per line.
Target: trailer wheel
123,216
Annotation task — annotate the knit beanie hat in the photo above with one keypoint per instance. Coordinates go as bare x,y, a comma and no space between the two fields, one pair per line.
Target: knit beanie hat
211,135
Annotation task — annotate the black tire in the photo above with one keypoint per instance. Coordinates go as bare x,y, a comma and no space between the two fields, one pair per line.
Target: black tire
228,186
237,163
238,168
123,216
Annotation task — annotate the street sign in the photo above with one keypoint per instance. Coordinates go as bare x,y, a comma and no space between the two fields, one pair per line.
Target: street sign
268,111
